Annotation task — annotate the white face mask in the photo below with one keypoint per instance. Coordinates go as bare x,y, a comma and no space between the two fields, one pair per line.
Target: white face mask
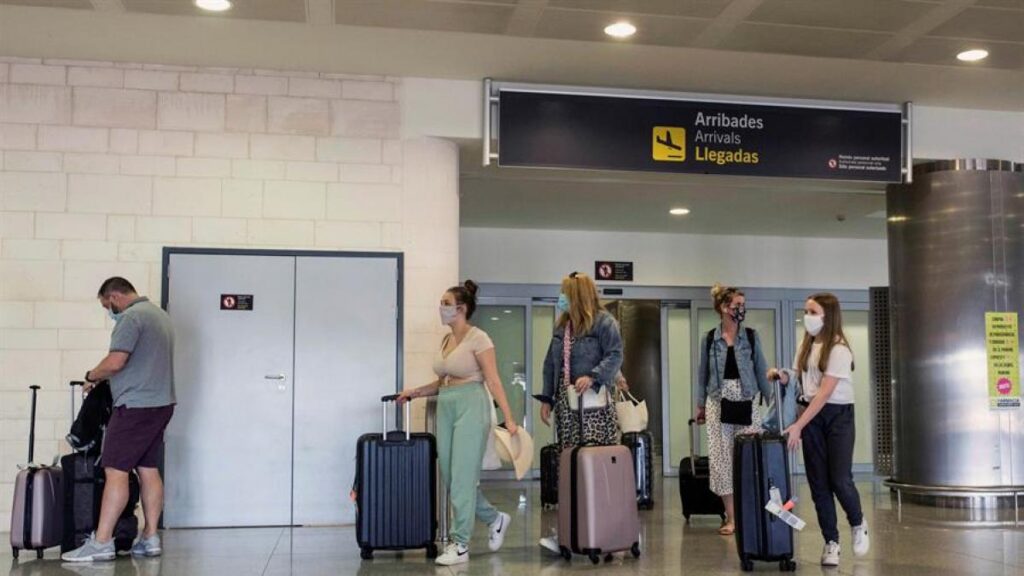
813,324
449,314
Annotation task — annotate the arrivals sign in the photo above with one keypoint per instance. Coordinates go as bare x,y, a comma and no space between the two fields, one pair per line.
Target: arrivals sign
1003,347
613,132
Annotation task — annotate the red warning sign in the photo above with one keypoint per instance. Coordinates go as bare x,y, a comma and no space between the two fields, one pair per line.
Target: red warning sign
241,302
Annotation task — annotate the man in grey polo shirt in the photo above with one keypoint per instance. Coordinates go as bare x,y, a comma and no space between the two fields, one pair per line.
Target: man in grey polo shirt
141,373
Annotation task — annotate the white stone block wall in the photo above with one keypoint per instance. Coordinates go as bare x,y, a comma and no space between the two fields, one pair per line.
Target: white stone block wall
103,164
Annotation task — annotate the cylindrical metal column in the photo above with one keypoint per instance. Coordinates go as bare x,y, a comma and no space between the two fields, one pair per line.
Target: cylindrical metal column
955,253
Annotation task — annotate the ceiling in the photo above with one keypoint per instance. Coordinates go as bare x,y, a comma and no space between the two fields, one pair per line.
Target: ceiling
872,50
493,197
909,31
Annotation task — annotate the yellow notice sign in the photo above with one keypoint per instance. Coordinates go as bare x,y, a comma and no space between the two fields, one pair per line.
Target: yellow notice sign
668,144
1003,347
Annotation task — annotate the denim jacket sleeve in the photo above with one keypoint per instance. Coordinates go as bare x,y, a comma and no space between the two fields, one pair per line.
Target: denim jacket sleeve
611,352
549,374
702,374
761,370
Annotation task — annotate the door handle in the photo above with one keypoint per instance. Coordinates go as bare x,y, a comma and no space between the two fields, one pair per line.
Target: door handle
274,377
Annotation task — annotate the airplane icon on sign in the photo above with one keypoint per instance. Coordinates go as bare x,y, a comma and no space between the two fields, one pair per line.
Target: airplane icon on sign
668,144
667,141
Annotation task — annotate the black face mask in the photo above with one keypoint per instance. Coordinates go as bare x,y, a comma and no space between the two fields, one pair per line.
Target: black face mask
738,314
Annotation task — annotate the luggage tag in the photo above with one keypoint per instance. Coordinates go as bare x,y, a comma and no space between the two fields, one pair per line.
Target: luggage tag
776,507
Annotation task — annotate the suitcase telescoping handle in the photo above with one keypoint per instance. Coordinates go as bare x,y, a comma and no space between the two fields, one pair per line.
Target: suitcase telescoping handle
385,400
32,427
778,405
72,385
693,446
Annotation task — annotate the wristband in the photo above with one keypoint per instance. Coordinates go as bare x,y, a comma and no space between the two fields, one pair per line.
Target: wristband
87,379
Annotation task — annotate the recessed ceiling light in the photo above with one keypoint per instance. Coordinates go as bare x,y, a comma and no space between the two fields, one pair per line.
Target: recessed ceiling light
214,5
508,311
679,211
495,318
972,55
620,29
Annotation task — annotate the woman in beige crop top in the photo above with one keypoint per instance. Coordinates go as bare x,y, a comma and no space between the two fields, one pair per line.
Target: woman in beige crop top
465,363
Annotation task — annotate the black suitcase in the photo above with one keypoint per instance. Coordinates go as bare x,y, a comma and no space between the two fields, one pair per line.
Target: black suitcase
396,484
83,493
761,463
549,456
641,445
84,478
695,483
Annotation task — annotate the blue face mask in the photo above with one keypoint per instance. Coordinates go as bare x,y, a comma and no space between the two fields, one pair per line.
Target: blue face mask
115,316
562,307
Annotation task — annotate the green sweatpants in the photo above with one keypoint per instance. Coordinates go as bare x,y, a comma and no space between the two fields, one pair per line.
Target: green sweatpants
463,424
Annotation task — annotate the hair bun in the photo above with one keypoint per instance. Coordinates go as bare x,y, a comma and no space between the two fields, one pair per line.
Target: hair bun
717,290
470,287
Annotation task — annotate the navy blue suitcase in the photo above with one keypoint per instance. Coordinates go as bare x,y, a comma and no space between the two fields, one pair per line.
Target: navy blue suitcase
641,445
761,463
396,483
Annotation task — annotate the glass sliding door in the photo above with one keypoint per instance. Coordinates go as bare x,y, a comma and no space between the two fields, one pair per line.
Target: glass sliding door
542,324
506,324
677,389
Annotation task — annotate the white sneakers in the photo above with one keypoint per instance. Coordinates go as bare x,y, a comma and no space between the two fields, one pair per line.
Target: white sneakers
497,530
861,545
830,555
550,543
861,542
454,554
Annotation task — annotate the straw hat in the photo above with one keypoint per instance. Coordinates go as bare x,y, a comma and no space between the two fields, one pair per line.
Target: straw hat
517,449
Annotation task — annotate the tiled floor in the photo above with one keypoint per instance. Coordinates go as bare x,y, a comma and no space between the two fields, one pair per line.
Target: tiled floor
925,541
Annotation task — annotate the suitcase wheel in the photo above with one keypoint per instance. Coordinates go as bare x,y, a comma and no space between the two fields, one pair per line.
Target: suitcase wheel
39,553
635,550
14,552
687,516
609,557
432,551
366,553
566,553
787,565
746,564
595,558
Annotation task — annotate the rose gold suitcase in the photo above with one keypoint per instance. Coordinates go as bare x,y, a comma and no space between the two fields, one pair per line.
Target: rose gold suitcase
37,516
597,512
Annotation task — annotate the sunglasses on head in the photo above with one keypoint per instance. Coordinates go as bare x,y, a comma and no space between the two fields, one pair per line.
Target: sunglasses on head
573,275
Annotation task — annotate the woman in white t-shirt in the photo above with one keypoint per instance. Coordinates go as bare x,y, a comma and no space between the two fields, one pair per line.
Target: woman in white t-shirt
824,368
464,364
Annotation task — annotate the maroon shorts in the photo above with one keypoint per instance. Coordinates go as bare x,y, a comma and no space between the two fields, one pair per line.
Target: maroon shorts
135,437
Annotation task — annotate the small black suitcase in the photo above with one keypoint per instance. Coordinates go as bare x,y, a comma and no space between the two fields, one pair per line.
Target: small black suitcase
761,463
641,445
84,477
695,483
549,456
396,484
83,493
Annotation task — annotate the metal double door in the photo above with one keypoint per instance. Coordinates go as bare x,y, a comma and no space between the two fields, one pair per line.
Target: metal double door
280,362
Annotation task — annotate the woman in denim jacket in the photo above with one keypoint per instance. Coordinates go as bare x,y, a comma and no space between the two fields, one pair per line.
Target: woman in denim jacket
595,357
727,383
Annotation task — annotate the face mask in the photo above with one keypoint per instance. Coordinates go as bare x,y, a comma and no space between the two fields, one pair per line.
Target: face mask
562,307
813,324
738,314
449,314
115,316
